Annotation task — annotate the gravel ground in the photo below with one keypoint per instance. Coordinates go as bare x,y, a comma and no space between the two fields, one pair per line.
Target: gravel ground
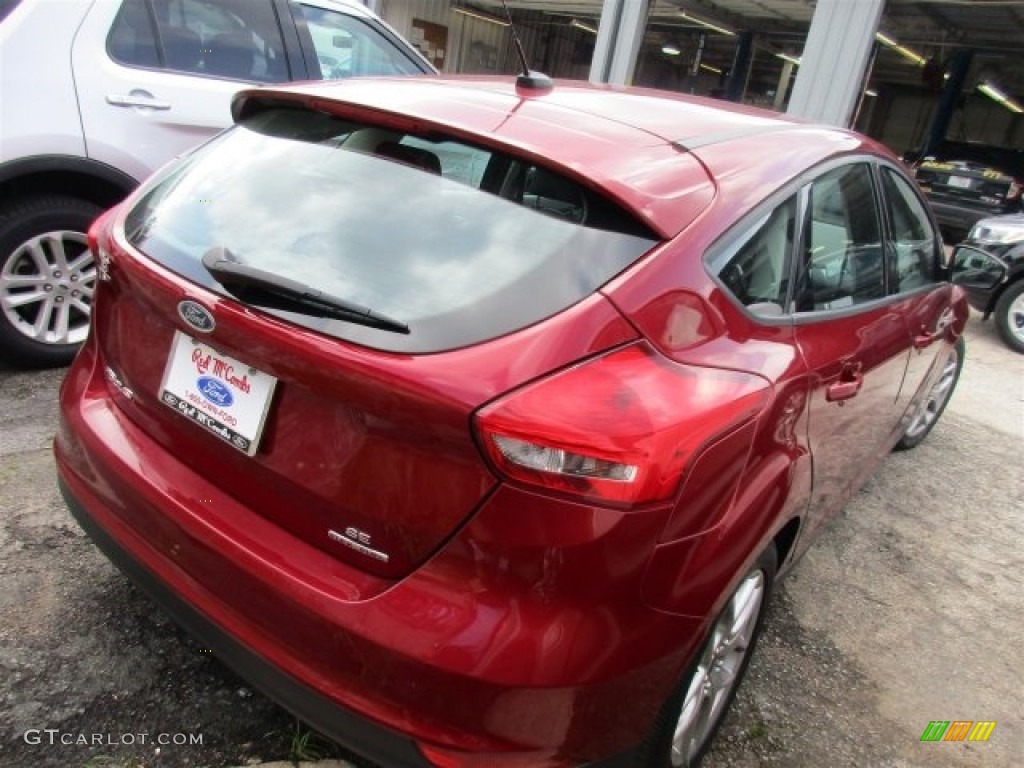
905,611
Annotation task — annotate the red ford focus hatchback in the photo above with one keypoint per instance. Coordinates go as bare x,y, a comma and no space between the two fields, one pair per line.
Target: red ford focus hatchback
474,422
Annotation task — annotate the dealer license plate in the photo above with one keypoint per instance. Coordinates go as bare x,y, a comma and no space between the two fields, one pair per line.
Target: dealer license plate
219,393
960,182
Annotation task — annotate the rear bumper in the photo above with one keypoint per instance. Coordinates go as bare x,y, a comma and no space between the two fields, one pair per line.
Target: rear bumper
460,658
367,738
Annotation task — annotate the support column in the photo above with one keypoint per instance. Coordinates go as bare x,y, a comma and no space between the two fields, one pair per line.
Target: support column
833,67
959,64
618,41
698,56
783,86
740,69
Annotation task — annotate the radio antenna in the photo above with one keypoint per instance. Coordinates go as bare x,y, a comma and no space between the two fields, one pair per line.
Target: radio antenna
528,78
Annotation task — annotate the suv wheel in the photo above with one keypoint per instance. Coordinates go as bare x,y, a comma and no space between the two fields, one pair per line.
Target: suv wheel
47,276
1010,316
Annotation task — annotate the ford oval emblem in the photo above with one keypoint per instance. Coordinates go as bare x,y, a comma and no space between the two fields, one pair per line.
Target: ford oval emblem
197,316
215,391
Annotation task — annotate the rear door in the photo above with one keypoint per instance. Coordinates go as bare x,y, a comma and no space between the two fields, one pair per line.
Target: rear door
852,334
155,77
918,281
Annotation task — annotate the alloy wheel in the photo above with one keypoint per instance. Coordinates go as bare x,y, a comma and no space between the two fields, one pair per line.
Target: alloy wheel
931,408
718,669
46,287
1015,318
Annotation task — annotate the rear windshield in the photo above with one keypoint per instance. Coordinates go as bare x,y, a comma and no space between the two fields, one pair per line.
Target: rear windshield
458,242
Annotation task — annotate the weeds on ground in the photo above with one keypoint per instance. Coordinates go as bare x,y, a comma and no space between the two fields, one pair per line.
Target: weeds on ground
307,745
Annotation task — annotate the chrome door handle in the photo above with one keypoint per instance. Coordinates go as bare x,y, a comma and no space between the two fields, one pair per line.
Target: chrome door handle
147,102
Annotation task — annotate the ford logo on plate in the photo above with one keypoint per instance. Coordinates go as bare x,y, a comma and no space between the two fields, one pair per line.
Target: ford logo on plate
197,316
214,391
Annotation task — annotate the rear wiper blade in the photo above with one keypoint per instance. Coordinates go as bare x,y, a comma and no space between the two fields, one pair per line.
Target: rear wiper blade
266,289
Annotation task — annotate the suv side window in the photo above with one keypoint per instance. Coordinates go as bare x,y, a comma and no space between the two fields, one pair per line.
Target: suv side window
843,262
757,268
346,46
202,37
912,235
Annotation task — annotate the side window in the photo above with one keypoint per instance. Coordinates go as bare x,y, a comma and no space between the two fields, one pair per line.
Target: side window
843,261
203,37
913,238
132,39
757,269
347,46
457,162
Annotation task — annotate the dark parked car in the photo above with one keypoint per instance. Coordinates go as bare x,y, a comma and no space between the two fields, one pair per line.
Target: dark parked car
965,182
475,421
990,267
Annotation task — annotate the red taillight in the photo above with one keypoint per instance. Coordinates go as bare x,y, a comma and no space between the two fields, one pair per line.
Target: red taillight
1013,193
620,428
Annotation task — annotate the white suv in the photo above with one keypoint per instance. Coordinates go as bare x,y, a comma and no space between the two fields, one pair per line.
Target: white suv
97,94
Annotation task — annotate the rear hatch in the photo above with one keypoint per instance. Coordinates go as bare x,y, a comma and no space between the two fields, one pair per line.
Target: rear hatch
309,309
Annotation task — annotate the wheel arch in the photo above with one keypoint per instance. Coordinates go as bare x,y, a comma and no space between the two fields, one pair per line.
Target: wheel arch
79,177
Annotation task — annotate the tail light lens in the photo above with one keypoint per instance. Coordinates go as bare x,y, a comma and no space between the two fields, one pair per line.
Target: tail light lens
1013,193
617,429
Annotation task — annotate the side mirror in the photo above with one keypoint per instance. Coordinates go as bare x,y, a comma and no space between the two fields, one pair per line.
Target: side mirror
975,268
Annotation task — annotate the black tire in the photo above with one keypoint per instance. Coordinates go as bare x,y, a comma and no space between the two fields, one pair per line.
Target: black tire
931,407
1011,324
661,749
44,308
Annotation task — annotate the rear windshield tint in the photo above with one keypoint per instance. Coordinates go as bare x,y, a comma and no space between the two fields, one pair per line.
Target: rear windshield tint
458,242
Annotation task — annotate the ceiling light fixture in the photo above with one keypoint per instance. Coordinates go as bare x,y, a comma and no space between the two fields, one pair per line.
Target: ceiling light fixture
478,15
585,27
716,27
871,93
791,59
709,68
902,50
670,49
997,95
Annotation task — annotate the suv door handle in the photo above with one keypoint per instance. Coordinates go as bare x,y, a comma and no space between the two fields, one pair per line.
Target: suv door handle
137,100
